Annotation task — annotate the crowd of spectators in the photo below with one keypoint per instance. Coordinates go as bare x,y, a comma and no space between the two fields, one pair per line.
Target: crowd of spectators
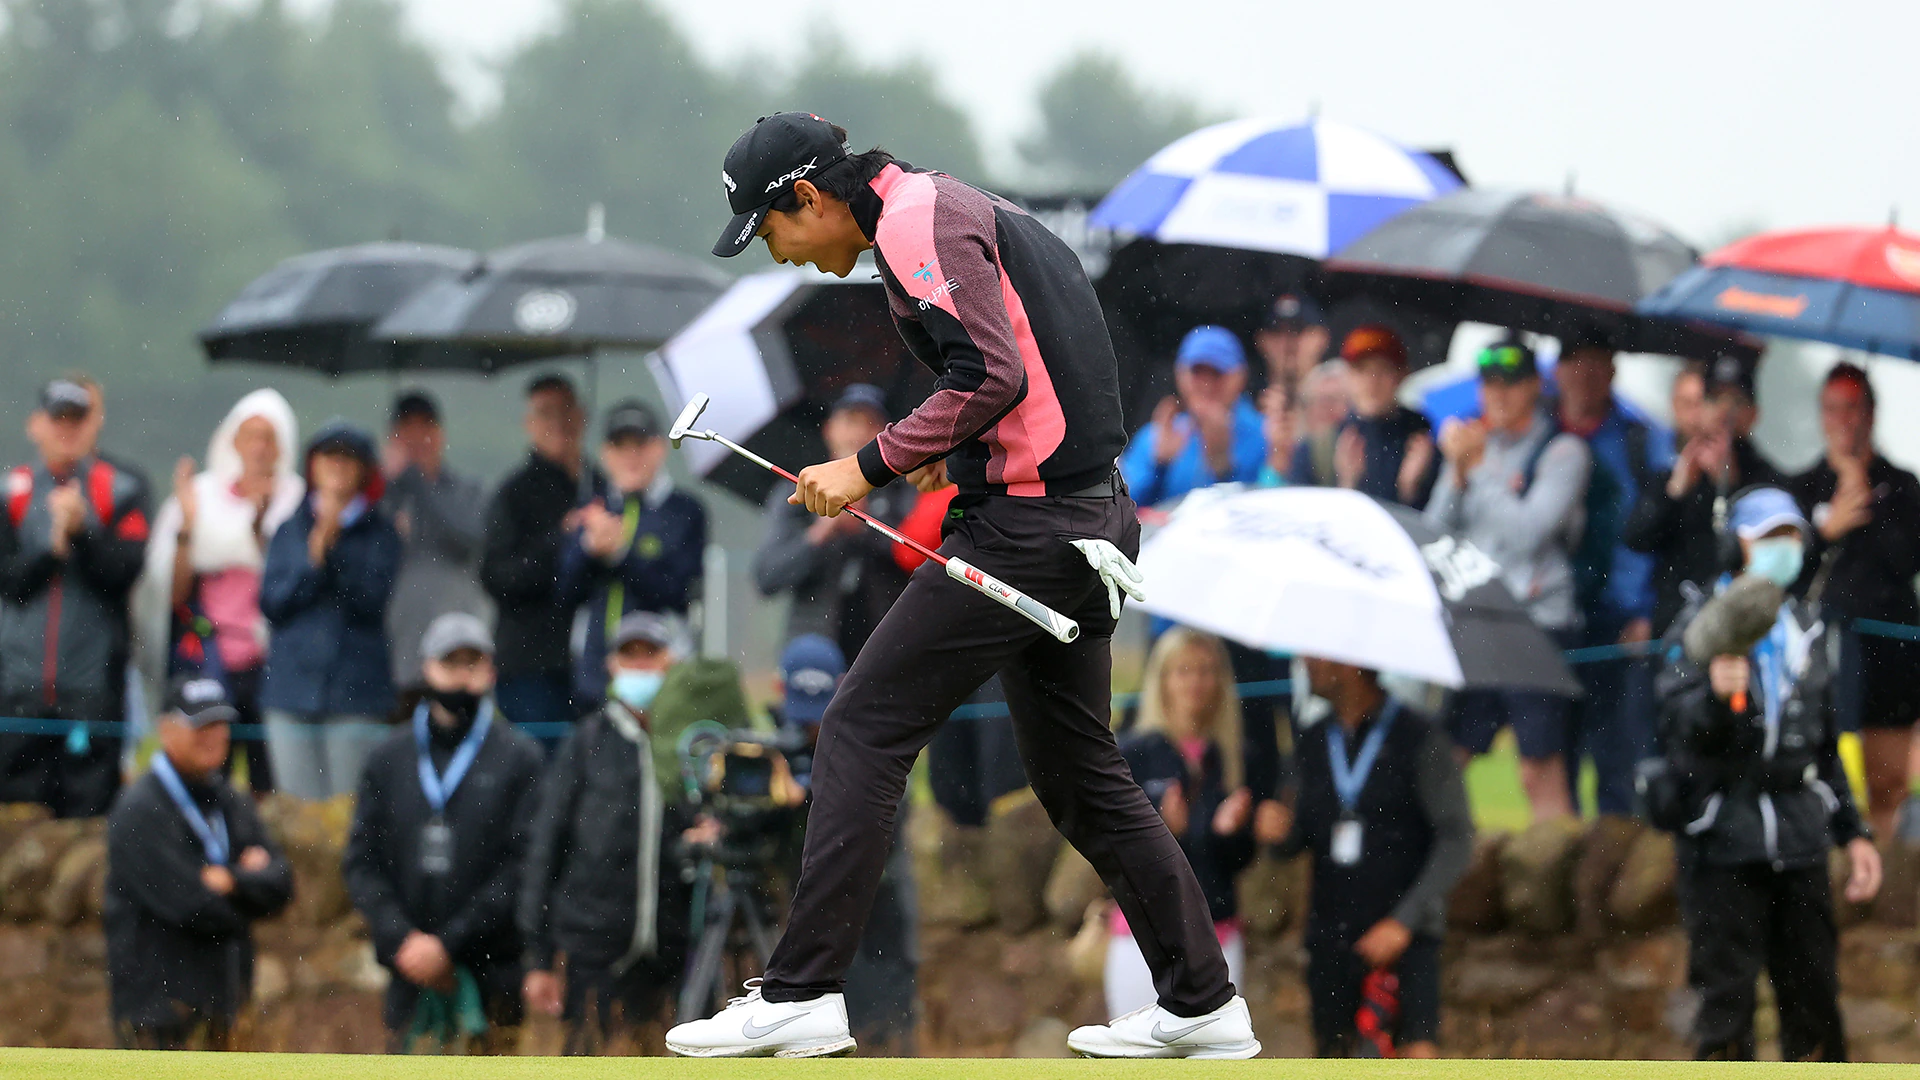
389,627
1614,534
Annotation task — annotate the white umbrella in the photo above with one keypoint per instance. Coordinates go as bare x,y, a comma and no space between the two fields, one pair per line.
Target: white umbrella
1332,573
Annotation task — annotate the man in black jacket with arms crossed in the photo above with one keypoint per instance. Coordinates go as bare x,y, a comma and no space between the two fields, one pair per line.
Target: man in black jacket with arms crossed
189,868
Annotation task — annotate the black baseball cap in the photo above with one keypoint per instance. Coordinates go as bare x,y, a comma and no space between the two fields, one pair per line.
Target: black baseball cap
1729,372
199,700
632,418
1507,361
763,165
415,404
65,398
1293,311
863,396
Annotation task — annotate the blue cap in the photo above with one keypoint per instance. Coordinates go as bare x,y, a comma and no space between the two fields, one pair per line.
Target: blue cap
810,667
1215,346
1763,510
863,396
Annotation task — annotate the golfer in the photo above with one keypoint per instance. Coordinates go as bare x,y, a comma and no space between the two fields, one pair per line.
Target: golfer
1025,417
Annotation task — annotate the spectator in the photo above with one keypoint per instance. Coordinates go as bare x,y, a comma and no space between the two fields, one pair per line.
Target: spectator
1515,486
433,860
639,545
1866,515
330,568
595,893
198,606
1185,751
1324,403
1292,340
71,547
1675,520
1208,434
1382,448
527,526
441,517
1383,810
842,575
1280,424
882,982
1614,584
1762,799
189,868
1688,400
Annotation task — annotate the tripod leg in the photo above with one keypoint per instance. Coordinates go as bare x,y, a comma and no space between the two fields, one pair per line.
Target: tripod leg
703,995
759,931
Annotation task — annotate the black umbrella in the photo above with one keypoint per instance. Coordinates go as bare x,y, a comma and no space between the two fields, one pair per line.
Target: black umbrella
567,296
774,353
314,310
1548,263
1153,293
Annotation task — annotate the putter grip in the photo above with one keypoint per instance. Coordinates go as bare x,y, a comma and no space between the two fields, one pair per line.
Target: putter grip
1039,614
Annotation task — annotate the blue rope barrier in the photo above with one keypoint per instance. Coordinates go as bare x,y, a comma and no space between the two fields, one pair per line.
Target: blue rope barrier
1269,688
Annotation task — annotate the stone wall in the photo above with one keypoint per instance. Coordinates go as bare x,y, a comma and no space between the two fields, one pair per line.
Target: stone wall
1563,943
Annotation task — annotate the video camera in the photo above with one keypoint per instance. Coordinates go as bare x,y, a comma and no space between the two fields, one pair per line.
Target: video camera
729,771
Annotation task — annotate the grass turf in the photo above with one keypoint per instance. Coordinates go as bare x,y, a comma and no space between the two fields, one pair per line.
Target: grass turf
113,1064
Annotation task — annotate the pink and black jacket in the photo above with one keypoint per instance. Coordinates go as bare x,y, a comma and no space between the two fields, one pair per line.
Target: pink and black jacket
1027,402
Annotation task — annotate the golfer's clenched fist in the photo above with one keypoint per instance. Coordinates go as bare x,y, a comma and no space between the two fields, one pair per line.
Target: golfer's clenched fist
827,488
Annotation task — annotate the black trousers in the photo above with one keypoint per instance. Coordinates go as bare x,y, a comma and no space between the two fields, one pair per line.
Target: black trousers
1335,978
1743,918
602,1008
939,643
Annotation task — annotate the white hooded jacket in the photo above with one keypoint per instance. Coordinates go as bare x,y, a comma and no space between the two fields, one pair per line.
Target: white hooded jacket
223,536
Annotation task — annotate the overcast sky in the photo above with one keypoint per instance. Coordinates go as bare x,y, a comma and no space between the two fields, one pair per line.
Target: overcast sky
1706,114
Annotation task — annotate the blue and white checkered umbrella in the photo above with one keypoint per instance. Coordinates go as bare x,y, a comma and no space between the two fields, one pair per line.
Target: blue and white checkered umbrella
1264,185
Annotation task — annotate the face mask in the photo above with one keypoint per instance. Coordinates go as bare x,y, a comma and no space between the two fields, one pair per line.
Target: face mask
464,705
1778,559
637,689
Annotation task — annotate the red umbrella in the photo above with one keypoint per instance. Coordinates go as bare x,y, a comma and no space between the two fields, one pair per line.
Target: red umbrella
1874,258
1854,287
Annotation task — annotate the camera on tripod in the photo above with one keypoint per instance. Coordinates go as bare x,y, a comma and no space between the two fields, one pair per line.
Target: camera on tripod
729,772
741,782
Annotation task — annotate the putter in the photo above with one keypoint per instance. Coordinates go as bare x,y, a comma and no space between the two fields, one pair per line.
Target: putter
1061,627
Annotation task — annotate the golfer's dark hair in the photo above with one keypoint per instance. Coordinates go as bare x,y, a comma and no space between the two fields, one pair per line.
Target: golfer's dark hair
844,178
553,380
1848,371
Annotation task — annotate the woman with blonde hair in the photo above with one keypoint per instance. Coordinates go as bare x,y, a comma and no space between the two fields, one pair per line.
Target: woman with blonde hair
1185,751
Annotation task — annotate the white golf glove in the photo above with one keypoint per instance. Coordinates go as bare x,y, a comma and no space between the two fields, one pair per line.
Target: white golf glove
1116,571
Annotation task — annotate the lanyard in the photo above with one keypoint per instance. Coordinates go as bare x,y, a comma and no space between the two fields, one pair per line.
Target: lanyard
213,835
1349,780
1778,678
617,594
439,789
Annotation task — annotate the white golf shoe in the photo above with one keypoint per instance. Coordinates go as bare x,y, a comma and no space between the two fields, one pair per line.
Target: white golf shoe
752,1027
1153,1032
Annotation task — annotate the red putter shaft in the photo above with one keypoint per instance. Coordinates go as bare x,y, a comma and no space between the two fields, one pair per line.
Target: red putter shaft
892,533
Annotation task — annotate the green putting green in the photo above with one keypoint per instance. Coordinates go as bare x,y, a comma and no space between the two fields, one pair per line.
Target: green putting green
117,1064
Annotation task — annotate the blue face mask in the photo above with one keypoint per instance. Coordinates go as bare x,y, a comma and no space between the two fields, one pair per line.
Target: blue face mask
637,689
1778,559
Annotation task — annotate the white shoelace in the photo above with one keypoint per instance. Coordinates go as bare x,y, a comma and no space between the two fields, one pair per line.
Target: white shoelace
752,987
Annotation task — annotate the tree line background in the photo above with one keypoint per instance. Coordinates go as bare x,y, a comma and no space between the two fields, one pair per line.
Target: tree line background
155,155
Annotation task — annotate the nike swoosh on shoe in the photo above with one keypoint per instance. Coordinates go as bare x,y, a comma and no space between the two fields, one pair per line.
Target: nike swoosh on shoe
1165,1036
754,1031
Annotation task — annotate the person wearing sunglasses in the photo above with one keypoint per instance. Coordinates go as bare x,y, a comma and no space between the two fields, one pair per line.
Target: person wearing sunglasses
1514,485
